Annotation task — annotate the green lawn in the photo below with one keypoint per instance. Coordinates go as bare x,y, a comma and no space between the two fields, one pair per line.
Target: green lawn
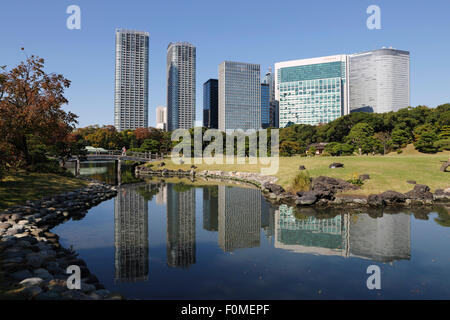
17,187
388,172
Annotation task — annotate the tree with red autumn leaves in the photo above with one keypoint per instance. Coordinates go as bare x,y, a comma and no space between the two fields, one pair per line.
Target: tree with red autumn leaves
31,103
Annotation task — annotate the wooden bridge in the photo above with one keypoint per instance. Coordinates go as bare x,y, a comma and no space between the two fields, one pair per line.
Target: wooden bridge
117,156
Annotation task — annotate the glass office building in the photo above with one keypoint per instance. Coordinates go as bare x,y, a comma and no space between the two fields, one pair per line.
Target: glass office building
211,104
131,80
265,105
181,64
379,80
311,91
239,96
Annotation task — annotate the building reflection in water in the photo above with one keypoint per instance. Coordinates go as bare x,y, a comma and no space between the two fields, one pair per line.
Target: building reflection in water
180,225
211,208
383,239
161,196
239,218
131,234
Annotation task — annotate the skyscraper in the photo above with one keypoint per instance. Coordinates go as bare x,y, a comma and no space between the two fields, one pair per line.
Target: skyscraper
239,96
265,105
161,118
131,234
269,79
181,245
211,104
312,91
181,60
239,218
379,80
131,80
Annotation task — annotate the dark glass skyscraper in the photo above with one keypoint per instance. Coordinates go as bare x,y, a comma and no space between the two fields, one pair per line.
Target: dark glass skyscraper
211,104
265,105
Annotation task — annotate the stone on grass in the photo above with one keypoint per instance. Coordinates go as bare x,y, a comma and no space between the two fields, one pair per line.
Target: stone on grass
35,281
335,165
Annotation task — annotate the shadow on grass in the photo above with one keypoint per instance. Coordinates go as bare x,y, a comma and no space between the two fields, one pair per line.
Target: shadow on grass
19,186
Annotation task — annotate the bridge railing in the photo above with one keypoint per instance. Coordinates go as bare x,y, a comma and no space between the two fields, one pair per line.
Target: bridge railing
134,154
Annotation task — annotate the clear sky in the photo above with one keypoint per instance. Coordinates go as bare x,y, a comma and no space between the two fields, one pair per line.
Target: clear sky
251,31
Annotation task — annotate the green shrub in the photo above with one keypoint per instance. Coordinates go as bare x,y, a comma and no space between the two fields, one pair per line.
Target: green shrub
399,151
301,182
355,180
443,144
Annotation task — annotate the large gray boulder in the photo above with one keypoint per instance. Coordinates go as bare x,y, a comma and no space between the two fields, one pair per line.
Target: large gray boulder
375,200
392,197
274,188
420,192
327,187
306,198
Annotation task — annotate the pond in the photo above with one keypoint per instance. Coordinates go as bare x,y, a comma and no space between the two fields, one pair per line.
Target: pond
176,240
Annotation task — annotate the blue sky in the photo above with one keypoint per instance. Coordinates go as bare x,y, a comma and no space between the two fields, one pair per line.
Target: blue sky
261,32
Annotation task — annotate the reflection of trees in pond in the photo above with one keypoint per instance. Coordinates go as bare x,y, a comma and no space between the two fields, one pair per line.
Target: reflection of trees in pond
182,187
443,218
148,191
128,176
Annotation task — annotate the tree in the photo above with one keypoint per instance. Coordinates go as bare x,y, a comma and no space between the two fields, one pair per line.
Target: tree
383,137
400,138
424,128
426,142
312,151
290,148
444,132
150,145
361,137
31,103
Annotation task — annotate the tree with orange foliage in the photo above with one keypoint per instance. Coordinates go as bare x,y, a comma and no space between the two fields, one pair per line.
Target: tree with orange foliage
31,106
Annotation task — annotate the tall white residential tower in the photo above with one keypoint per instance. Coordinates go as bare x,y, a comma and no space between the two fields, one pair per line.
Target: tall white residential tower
131,80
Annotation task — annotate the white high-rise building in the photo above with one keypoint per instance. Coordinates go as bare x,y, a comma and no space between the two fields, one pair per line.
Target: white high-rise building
181,66
161,117
131,80
320,90
239,96
312,91
379,80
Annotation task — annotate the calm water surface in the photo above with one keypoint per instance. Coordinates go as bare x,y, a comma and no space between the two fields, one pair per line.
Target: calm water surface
160,240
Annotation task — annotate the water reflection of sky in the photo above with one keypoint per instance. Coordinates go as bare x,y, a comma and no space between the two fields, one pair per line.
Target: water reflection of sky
177,241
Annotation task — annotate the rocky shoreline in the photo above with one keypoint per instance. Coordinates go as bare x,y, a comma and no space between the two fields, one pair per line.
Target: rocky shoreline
324,191
32,261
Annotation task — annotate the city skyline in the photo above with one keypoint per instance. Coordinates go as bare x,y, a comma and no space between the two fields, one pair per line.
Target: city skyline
93,43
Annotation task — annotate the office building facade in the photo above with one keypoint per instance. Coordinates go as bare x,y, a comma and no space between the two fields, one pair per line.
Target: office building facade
131,80
161,118
265,105
181,80
239,96
211,104
379,80
312,91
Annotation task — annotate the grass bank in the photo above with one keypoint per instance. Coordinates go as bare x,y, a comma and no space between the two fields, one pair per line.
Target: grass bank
18,187
389,172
